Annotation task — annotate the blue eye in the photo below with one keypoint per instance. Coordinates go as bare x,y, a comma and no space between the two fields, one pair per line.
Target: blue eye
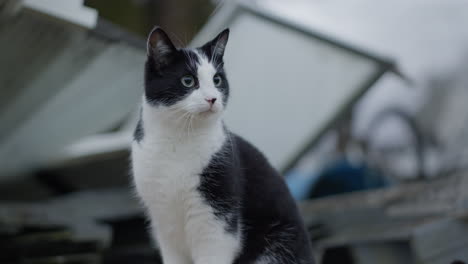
217,80
188,81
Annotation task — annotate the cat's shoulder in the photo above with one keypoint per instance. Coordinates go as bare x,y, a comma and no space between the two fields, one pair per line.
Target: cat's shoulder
243,146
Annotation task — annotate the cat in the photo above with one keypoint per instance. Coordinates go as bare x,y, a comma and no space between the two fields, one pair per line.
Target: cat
211,197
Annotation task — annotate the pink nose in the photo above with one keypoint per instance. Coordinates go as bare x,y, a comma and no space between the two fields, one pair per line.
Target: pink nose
211,100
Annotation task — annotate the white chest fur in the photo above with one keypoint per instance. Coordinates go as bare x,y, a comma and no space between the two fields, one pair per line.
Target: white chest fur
167,164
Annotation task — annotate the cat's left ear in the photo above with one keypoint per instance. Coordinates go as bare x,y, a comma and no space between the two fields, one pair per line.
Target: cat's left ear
215,48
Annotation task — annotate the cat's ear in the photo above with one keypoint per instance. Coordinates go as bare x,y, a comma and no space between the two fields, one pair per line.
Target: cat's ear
217,46
159,46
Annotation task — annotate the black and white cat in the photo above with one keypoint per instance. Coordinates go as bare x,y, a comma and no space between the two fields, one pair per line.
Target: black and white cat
212,197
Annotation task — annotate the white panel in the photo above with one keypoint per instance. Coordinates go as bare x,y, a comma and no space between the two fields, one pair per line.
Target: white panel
285,85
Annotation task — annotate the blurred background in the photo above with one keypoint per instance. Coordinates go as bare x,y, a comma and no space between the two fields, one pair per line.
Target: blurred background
361,104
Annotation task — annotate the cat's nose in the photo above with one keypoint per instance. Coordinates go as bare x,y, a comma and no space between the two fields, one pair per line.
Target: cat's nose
211,100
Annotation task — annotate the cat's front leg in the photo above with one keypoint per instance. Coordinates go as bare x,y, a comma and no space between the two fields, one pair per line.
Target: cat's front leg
215,254
170,246
211,243
170,255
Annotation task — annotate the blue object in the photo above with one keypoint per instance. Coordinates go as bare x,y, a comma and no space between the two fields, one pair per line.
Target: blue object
340,176
300,183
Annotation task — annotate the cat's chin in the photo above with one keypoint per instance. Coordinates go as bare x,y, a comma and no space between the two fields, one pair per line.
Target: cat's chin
209,114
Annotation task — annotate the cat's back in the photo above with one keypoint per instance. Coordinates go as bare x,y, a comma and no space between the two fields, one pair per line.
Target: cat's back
256,169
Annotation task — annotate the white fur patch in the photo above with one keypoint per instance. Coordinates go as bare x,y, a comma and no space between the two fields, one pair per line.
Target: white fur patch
197,102
178,144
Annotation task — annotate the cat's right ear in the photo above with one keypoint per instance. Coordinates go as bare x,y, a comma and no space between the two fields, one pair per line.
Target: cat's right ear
159,47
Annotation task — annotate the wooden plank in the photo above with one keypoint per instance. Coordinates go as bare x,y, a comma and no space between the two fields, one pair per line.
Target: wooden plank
440,239
413,212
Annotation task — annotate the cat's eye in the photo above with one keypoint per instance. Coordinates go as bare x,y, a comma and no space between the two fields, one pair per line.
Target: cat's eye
188,81
217,80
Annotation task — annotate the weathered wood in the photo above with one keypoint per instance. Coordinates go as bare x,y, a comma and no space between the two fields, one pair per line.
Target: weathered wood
430,217
79,211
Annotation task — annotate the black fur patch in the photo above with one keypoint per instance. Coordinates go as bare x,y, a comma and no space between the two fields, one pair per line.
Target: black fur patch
139,133
223,193
162,85
244,189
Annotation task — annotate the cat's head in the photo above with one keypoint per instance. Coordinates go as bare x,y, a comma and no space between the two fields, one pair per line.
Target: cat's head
186,81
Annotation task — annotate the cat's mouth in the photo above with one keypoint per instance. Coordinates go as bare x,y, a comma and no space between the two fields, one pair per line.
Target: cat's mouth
209,110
